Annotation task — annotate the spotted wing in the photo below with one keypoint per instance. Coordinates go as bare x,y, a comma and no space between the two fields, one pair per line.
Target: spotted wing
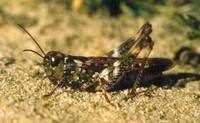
153,65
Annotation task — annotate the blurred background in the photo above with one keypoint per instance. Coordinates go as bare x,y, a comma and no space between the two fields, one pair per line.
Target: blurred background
93,27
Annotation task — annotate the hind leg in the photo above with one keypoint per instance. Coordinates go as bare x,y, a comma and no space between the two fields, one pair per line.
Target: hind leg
127,52
126,46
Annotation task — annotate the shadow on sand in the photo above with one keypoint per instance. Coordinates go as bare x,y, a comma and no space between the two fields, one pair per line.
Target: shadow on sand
173,80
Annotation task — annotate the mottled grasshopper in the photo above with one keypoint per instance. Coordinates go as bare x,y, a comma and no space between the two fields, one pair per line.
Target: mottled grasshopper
122,68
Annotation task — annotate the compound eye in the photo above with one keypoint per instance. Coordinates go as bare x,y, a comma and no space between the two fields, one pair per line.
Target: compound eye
53,58
55,61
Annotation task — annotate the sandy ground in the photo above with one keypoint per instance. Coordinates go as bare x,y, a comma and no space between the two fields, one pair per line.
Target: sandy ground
23,82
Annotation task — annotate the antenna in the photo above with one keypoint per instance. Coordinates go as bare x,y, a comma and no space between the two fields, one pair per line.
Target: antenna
33,40
33,52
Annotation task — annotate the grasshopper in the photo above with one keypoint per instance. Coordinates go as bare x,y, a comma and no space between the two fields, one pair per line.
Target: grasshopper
123,67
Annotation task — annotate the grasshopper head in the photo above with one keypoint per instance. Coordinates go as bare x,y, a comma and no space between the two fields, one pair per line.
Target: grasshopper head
57,65
54,65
